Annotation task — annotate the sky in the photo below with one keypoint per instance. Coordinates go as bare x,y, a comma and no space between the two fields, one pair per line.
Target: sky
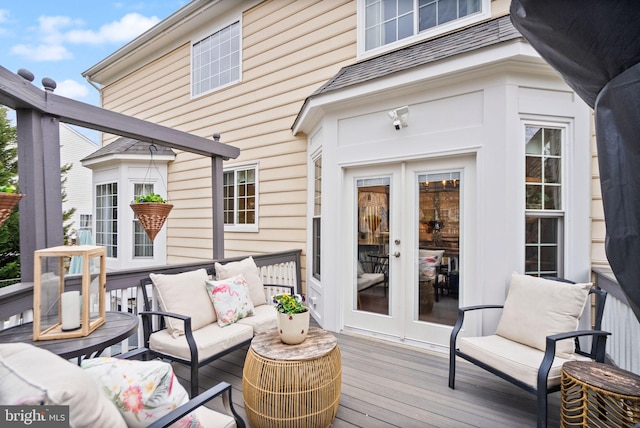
60,39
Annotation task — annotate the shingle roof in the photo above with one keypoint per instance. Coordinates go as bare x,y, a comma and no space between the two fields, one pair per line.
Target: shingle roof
485,34
124,145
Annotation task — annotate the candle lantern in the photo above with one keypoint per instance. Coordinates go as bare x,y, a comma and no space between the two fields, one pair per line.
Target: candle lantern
60,312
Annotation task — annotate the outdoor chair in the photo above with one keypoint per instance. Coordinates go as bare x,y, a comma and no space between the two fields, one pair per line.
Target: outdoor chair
108,392
535,336
190,329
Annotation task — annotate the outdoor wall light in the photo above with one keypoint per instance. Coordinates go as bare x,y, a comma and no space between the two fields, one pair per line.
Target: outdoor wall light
399,117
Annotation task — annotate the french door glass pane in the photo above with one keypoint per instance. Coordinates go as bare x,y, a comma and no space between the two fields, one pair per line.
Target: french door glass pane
372,238
438,226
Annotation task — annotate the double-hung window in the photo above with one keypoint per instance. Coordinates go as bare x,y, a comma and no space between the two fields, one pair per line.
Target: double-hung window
215,60
544,193
388,21
142,245
240,193
317,209
107,217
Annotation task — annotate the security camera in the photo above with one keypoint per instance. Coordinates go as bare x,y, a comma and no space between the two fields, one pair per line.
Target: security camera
396,124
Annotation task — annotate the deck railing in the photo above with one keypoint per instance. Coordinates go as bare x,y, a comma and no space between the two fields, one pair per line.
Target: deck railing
621,322
123,287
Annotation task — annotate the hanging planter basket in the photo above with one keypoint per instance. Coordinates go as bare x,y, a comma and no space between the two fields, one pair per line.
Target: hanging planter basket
152,216
8,202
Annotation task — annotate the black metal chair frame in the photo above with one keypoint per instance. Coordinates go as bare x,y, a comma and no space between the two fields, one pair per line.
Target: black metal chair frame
222,389
597,352
193,362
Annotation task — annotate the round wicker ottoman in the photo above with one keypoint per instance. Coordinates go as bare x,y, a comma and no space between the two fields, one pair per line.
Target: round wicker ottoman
292,385
598,395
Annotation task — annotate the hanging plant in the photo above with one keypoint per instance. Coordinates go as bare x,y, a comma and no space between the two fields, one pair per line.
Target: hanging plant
8,201
152,211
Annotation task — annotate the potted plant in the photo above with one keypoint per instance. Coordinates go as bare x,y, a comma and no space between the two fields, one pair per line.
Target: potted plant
9,198
152,211
293,318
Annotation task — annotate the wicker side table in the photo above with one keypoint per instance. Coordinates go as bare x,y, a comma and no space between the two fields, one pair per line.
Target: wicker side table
292,385
598,395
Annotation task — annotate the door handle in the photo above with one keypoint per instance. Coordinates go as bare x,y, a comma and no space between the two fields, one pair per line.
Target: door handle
396,254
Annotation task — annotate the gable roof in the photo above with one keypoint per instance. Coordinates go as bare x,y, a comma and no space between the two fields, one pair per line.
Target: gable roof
488,33
129,146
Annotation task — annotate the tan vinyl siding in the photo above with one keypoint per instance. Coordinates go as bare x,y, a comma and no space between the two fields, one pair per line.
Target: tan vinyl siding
598,229
289,49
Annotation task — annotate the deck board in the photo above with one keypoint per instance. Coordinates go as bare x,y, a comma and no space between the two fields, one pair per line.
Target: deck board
385,385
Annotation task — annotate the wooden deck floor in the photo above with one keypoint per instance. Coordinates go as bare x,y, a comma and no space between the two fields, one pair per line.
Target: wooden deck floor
390,385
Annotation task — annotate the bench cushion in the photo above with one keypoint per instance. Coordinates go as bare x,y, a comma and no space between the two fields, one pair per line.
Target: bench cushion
515,359
185,294
536,308
264,318
210,418
210,340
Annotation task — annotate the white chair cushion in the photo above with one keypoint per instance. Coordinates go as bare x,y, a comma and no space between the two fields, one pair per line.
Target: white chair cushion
30,375
536,308
210,340
369,279
264,318
184,294
247,268
515,359
210,418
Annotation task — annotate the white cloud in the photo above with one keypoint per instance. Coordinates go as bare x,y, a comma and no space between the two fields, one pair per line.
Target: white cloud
127,28
71,89
41,52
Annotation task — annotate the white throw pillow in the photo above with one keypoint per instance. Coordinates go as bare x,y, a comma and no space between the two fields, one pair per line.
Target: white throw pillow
184,294
30,375
536,308
247,268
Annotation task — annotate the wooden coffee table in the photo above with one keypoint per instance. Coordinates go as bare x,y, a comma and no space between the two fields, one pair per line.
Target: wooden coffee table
292,385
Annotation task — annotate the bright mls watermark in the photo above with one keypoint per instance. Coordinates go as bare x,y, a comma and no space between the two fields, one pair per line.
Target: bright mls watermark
34,416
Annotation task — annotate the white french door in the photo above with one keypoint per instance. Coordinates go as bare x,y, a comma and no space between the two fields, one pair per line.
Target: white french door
407,240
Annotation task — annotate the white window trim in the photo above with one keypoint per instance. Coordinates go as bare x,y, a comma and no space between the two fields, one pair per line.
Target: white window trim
246,227
484,14
199,37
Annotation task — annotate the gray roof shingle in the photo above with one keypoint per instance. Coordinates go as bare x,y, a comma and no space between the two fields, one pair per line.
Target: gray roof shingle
124,145
485,34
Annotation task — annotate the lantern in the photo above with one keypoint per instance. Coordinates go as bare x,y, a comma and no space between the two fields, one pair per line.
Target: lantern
58,311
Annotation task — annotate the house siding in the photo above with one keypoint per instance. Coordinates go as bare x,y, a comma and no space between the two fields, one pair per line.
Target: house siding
73,147
289,49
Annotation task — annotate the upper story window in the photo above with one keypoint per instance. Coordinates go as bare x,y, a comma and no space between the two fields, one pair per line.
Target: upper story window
240,198
215,60
389,21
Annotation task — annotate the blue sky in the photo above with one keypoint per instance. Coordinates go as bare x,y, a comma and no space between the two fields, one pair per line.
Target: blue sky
62,38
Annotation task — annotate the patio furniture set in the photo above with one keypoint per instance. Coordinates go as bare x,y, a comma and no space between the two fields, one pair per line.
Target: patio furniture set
205,314
534,339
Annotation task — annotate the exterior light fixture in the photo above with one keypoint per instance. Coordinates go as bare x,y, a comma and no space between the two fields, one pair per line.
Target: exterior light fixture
399,117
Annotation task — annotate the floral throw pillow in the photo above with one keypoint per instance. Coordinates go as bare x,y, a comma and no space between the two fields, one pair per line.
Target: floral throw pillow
427,268
143,391
230,299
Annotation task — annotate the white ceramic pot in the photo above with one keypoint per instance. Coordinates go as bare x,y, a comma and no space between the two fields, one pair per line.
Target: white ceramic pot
293,328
